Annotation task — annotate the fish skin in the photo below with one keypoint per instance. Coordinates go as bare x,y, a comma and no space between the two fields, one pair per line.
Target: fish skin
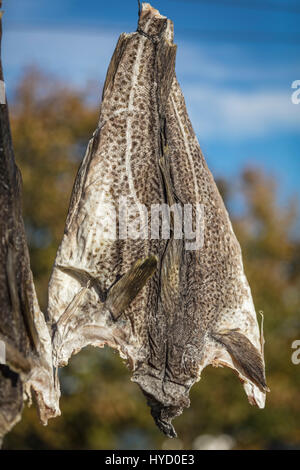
196,307
122,160
217,281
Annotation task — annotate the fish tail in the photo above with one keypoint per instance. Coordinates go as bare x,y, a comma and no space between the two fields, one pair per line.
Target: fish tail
246,358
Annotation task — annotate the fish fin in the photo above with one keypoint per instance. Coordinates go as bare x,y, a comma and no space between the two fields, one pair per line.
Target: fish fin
122,293
247,359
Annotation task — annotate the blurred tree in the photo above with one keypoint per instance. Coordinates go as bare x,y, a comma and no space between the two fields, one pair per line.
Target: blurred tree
101,408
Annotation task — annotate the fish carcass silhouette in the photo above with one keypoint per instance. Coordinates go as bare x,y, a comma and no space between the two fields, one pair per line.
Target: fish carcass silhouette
170,307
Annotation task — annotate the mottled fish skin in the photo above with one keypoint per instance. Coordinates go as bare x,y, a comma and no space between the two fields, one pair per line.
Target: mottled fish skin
221,294
210,315
122,160
169,311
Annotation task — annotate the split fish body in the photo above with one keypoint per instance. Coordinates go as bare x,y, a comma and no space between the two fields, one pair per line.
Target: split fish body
121,162
169,310
219,318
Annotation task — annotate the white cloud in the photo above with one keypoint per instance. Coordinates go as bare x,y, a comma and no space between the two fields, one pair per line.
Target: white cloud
230,113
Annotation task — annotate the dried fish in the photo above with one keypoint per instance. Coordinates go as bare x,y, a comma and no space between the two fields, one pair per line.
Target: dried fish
24,337
170,304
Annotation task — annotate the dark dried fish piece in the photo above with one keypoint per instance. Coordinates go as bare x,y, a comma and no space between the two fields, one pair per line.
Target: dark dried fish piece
171,305
24,337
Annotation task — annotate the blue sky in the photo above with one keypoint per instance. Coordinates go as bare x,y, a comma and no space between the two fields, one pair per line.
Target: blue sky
235,63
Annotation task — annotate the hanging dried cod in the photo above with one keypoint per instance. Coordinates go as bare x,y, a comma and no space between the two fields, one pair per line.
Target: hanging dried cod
170,302
25,342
